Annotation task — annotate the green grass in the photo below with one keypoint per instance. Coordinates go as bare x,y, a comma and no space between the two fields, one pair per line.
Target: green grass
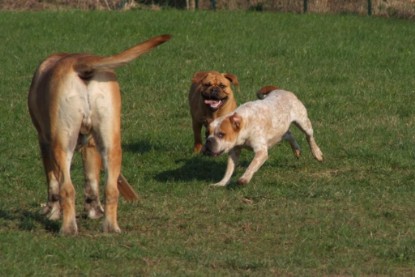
354,214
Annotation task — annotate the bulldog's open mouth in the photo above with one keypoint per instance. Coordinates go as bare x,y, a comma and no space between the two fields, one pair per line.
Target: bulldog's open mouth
215,104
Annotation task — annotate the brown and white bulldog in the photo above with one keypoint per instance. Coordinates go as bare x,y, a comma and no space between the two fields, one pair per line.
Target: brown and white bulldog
210,97
258,125
74,100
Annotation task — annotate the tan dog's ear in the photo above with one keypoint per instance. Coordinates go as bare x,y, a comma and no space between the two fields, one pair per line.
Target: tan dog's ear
236,121
198,76
231,77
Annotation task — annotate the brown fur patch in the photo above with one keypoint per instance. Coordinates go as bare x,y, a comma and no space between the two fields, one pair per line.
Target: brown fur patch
229,129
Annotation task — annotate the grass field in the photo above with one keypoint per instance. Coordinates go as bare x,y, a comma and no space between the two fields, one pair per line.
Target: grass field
354,214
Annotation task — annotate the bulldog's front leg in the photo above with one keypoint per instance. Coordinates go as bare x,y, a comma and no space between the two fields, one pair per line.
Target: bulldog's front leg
260,157
233,159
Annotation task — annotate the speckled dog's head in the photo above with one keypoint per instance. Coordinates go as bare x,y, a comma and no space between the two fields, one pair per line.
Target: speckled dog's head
224,133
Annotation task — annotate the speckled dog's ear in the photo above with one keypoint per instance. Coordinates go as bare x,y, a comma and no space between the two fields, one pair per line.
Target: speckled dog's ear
236,121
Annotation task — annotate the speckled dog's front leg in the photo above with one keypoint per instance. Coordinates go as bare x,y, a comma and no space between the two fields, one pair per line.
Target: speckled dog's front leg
232,162
260,157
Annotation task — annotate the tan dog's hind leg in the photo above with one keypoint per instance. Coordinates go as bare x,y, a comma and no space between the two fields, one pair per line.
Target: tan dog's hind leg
259,159
233,159
113,168
106,126
63,159
92,167
52,208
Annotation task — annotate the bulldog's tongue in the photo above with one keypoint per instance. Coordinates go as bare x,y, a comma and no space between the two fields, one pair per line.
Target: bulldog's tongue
213,103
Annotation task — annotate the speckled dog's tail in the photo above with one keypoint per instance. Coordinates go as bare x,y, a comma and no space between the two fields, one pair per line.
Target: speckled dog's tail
264,91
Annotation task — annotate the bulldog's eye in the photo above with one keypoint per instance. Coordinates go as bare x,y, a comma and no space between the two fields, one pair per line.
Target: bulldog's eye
222,86
207,85
220,135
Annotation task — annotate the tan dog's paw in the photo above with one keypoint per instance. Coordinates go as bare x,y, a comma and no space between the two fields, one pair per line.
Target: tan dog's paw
111,227
95,212
51,210
69,228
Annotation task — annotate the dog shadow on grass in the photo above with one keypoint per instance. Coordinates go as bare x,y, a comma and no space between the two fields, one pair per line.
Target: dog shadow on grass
196,168
26,220
140,147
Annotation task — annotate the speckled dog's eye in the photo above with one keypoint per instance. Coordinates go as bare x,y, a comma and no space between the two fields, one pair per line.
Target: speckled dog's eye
220,135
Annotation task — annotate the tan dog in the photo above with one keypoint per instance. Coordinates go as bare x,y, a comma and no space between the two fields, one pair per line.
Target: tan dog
210,97
258,125
75,99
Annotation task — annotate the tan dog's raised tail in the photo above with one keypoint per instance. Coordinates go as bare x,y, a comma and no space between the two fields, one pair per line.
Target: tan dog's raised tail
74,100
210,97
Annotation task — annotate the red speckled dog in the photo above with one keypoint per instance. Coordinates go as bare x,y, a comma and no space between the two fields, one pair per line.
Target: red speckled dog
258,125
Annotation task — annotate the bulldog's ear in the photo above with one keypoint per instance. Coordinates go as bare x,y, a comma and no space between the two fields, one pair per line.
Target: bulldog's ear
198,76
231,77
236,121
